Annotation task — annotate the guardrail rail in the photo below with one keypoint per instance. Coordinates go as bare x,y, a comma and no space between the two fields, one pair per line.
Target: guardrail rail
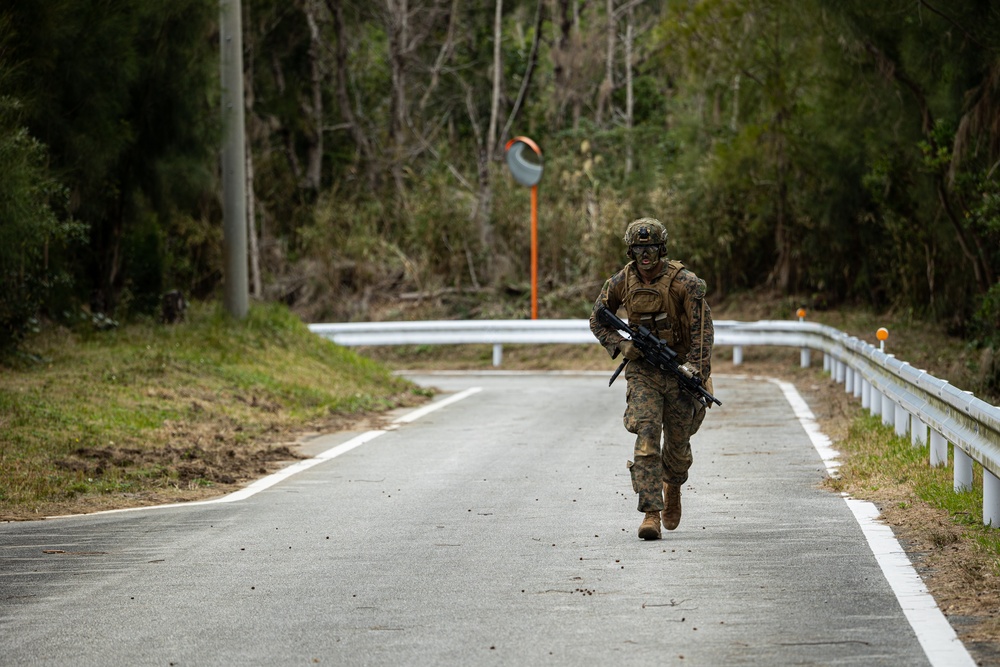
912,401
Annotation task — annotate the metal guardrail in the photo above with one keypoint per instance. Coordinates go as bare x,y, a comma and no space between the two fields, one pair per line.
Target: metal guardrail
910,400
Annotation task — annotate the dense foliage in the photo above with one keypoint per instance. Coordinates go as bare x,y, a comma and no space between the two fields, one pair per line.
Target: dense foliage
830,150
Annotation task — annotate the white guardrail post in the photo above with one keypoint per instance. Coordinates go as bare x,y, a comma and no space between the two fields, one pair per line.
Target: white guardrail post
911,401
991,499
804,352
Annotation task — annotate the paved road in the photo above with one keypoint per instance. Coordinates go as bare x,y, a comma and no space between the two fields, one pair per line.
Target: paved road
497,530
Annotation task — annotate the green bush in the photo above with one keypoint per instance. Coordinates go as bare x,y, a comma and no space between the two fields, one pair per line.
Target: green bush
30,231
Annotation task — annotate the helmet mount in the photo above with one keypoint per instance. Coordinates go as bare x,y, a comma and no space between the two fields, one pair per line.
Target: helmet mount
646,231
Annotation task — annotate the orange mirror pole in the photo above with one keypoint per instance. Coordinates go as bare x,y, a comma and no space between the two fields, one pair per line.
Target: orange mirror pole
534,252
524,158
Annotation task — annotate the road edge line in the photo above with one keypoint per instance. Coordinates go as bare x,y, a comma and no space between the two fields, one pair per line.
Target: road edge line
274,478
937,637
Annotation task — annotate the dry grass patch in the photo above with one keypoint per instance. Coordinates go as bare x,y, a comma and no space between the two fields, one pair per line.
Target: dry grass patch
154,413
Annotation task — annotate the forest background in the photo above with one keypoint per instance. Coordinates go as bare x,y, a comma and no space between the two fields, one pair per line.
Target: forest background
838,151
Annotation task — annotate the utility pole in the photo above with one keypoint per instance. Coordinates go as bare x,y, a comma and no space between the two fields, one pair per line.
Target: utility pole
234,200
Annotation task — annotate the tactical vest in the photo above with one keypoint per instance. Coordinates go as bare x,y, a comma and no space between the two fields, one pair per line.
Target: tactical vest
659,308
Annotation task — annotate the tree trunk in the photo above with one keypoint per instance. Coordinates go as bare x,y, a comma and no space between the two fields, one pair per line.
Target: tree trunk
734,119
314,109
343,98
109,234
577,48
608,85
249,98
629,36
256,287
398,37
561,93
286,134
782,235
979,271
784,273
480,215
491,134
487,147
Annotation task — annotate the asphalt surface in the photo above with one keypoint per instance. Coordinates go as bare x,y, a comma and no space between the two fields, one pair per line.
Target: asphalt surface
500,529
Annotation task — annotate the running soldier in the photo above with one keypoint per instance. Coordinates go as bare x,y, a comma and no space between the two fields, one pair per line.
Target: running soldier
669,300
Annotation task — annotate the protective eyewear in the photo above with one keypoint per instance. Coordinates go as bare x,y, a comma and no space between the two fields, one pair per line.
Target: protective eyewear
646,250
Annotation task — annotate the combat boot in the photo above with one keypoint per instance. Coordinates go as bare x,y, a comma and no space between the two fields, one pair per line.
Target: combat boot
650,528
671,505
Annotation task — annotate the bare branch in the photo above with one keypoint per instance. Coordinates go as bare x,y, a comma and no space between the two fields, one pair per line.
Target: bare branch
529,70
443,55
626,7
955,23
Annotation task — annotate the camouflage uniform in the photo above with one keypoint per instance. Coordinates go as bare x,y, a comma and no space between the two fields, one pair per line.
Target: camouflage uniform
655,402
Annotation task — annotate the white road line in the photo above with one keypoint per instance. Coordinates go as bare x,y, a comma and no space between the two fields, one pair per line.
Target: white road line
305,464
935,634
285,473
431,407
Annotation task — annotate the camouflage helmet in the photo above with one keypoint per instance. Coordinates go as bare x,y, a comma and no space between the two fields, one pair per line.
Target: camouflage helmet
646,231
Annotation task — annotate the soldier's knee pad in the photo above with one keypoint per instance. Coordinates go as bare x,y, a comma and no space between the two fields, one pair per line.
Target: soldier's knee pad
647,444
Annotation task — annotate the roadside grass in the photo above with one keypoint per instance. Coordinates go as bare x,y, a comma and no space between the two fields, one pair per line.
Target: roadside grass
887,469
942,531
143,413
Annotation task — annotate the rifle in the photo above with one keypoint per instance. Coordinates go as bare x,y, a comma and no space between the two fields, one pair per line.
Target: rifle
657,352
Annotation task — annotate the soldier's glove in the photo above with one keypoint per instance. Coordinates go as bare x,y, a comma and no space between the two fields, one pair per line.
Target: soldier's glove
629,350
706,382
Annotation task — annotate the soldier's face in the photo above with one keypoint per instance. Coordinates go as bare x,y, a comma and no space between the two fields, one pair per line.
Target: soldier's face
646,256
